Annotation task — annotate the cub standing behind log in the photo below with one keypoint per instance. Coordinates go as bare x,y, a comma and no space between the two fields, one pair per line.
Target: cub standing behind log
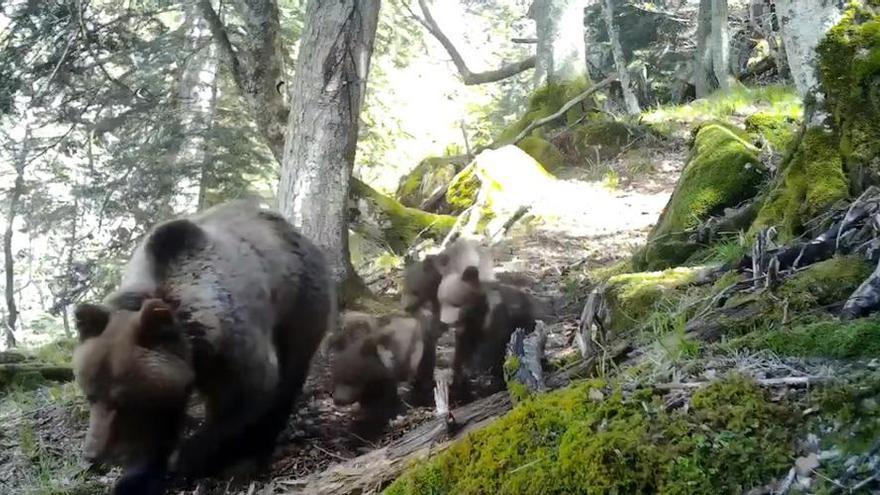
483,316
367,366
233,303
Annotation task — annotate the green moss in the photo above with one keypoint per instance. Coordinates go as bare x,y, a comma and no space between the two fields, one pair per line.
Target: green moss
829,339
811,181
849,63
429,174
463,189
825,283
398,226
734,437
543,151
633,296
59,352
778,130
544,102
606,139
723,170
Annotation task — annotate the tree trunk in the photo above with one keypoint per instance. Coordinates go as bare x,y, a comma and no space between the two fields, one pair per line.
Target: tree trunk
803,23
327,94
704,73
630,100
560,51
8,256
720,43
196,94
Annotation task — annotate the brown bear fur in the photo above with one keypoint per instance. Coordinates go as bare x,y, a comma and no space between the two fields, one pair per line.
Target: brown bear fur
483,315
366,367
233,303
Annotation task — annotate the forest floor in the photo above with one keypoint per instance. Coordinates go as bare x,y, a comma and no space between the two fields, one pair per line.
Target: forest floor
582,223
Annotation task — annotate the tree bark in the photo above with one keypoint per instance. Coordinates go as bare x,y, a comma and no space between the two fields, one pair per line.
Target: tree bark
720,43
712,66
327,95
467,76
561,50
15,195
630,100
803,23
196,94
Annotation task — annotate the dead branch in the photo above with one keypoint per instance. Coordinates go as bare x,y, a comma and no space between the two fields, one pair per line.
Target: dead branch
568,105
528,351
467,76
789,381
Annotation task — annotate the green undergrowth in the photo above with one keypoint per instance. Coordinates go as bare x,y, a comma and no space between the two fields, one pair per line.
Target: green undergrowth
601,140
429,174
829,339
778,130
592,438
782,101
633,297
825,283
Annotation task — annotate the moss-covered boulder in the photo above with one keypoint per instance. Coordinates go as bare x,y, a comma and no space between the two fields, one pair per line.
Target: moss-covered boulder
544,102
778,130
723,170
429,175
383,220
605,139
811,181
496,183
593,439
543,151
849,72
631,297
825,283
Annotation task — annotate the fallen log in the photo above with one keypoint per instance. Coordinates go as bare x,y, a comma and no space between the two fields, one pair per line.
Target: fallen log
11,357
49,372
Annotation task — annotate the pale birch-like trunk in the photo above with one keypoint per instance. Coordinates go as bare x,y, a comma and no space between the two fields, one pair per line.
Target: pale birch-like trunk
630,100
803,24
197,96
326,98
720,41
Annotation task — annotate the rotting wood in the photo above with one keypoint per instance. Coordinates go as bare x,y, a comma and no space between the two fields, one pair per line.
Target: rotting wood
528,349
565,108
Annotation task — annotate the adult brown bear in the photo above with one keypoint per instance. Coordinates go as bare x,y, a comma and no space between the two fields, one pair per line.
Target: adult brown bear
232,303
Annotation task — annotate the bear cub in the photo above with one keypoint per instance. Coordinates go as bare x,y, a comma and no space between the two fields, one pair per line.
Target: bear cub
231,303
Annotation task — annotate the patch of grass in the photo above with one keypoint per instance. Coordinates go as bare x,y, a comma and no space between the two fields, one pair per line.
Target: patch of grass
740,100
829,339
729,249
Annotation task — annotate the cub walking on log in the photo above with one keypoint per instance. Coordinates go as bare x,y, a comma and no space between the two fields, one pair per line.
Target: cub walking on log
232,303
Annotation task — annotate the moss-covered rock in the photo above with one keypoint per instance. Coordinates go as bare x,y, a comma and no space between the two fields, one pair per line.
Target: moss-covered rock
430,174
544,102
830,339
723,170
777,129
825,283
811,181
463,189
631,297
849,71
606,139
734,437
383,220
543,151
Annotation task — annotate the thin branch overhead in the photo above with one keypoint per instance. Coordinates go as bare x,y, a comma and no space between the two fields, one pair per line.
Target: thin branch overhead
469,77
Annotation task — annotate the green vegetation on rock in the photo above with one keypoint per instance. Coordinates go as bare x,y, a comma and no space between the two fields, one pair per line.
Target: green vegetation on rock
825,283
463,188
546,101
593,439
849,65
543,152
810,182
631,297
778,130
396,226
723,170
830,339
429,174
606,139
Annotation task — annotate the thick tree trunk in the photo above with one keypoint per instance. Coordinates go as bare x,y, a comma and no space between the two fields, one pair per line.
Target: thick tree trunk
705,80
803,23
630,100
196,93
327,94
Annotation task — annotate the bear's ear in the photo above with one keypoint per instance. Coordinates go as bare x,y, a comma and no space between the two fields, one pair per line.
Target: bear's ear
471,275
157,322
91,320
